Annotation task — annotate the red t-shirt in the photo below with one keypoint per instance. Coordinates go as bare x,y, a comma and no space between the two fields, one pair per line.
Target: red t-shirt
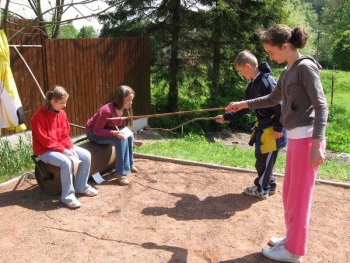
50,131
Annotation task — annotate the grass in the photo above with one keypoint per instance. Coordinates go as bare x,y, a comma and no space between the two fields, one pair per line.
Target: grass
338,129
15,159
197,148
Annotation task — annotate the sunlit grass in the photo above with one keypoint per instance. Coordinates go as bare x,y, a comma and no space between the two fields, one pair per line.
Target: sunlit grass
197,148
15,159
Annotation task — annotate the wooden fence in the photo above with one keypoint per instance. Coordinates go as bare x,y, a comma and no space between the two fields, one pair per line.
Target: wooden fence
90,69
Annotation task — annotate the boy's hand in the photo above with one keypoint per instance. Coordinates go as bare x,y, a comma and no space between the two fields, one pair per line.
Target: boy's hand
220,119
277,135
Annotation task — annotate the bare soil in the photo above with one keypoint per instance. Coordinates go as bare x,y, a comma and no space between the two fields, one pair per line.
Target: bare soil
169,213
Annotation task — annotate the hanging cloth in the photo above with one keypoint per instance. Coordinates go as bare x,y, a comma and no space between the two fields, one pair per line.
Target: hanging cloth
11,112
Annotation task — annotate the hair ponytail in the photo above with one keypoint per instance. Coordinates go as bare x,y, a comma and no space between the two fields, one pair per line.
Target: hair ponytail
279,34
298,37
55,93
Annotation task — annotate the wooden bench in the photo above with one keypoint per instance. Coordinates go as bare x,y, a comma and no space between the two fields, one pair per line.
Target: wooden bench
103,158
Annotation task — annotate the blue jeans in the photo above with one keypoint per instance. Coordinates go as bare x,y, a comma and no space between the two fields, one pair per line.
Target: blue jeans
123,151
66,168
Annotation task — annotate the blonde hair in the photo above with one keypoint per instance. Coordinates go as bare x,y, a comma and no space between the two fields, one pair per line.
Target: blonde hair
118,101
244,57
279,34
55,93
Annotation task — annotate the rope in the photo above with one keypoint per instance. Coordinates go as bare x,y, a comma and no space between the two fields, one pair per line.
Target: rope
162,115
172,129
165,114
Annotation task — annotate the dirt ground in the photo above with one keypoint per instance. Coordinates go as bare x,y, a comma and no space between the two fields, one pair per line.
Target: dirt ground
169,213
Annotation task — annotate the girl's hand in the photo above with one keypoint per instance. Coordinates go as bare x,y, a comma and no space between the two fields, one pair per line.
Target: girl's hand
138,143
118,134
236,106
69,152
317,153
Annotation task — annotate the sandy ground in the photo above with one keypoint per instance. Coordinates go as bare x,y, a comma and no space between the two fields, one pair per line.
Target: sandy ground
169,213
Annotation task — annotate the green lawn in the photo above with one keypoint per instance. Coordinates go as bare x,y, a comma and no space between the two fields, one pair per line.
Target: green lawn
197,148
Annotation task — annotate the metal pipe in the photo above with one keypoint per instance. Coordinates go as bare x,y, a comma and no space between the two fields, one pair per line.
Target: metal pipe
31,73
25,46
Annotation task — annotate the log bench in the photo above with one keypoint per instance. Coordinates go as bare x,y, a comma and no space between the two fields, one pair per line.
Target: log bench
103,158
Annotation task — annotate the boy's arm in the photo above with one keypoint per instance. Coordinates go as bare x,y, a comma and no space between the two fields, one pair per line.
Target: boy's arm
230,116
236,116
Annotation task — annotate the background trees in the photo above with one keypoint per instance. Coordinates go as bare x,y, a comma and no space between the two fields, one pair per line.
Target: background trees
193,42
335,21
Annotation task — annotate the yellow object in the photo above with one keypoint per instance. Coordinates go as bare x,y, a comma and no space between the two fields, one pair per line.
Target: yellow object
268,142
11,112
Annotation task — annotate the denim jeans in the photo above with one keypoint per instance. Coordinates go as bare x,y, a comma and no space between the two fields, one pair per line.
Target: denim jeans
66,168
123,151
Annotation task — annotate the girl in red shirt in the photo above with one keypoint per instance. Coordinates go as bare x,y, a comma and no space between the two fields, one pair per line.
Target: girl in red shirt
53,145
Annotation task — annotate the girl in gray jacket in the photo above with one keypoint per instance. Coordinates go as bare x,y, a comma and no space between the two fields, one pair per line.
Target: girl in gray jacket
304,116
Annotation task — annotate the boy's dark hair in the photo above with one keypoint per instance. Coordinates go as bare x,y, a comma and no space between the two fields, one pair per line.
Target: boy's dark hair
244,57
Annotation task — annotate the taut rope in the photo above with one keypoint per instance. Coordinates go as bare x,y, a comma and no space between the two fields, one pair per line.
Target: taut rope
165,114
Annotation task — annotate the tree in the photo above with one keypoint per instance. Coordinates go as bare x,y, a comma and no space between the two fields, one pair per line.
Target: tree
193,37
334,21
68,31
336,16
87,32
301,13
341,50
162,20
50,20
231,26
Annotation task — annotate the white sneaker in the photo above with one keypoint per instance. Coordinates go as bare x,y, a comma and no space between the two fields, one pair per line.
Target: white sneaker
276,241
73,204
91,192
279,253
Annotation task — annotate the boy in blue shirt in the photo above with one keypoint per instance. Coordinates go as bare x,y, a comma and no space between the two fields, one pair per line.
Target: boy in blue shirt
268,134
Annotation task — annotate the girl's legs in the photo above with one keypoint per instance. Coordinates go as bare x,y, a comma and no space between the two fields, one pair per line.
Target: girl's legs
82,176
122,151
130,149
65,164
299,181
